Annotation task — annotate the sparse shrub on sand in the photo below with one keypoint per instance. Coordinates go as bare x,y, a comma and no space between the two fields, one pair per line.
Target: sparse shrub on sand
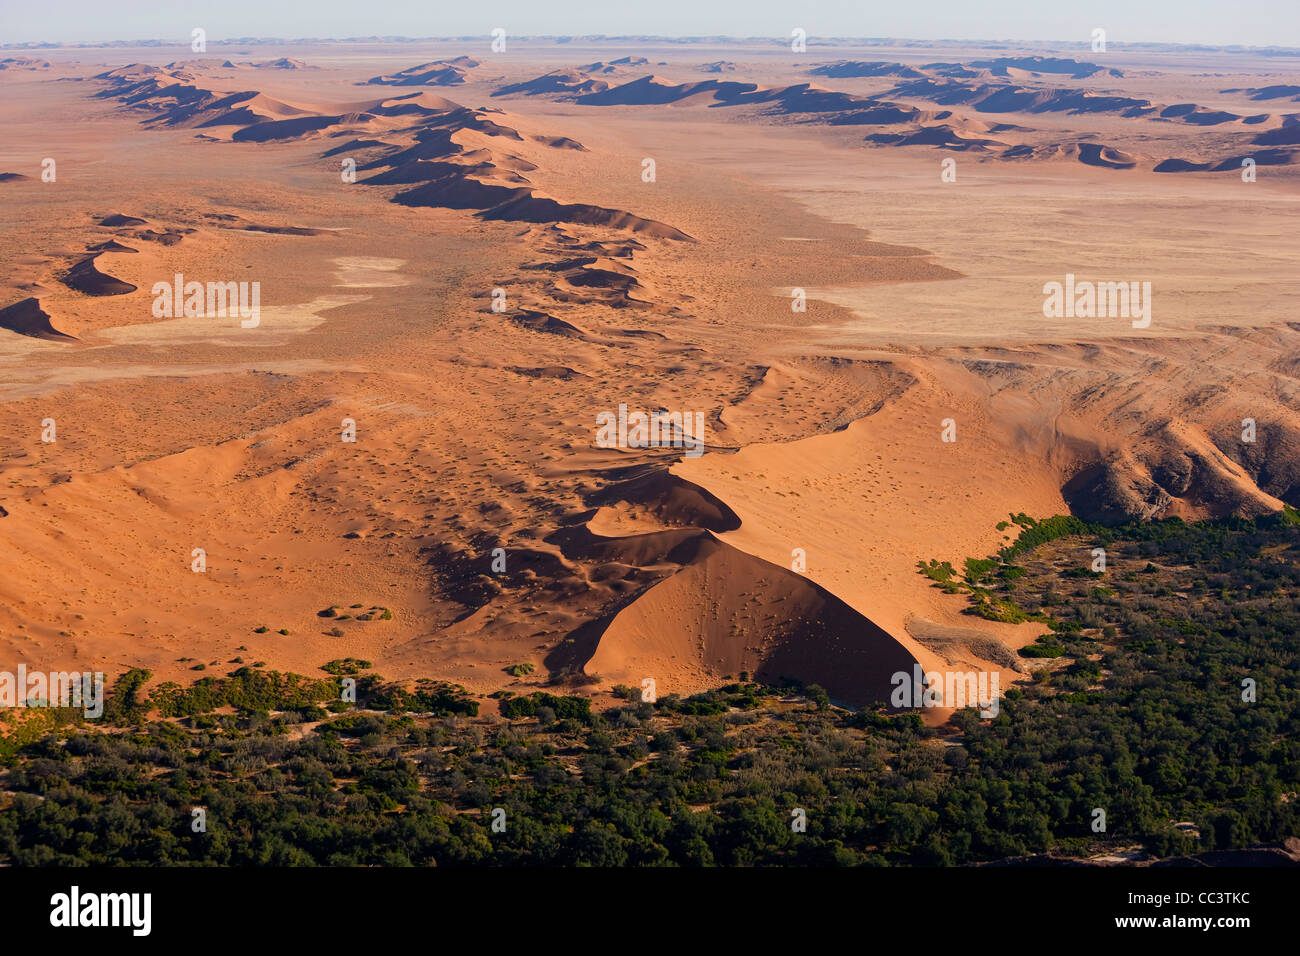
939,571
346,666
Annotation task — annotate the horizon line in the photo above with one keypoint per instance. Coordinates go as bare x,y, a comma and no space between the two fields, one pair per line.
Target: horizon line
560,38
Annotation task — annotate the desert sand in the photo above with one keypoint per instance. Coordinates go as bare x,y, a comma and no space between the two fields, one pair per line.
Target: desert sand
465,256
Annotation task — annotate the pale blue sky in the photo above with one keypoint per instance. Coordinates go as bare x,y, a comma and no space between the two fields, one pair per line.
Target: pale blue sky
1214,22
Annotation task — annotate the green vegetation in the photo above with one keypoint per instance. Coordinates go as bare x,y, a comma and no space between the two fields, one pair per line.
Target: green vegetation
557,708
1135,705
1043,647
346,666
939,571
978,568
1041,532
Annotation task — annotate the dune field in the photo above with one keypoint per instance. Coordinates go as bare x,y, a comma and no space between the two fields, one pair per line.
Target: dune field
441,269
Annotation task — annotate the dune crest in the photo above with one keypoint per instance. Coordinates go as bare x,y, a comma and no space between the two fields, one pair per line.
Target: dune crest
85,277
437,73
436,145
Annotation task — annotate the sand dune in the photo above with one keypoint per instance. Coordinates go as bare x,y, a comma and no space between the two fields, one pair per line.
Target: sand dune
281,63
229,221
452,174
437,73
939,134
85,277
1091,154
537,208
560,142
541,322
1288,134
726,612
117,219
998,66
561,82
1260,157
562,372
180,97
111,245
947,84
613,65
1275,92
28,318
714,611
798,98
843,69
651,90
24,63
829,106
1009,98
1004,65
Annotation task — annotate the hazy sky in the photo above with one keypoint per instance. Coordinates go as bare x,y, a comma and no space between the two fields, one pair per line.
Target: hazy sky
1251,22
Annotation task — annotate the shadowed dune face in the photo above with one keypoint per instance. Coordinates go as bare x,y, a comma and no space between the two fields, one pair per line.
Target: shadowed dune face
85,277
28,318
981,85
490,281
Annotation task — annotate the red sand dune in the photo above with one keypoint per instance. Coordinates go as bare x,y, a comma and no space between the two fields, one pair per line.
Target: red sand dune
111,245
28,318
84,277
117,219
437,73
564,82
